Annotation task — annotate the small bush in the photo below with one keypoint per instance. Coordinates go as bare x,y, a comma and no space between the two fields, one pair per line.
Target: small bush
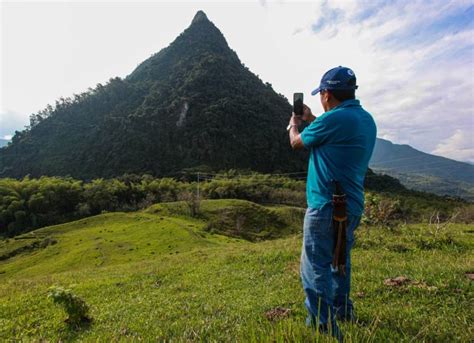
465,214
192,201
430,242
383,212
83,210
75,307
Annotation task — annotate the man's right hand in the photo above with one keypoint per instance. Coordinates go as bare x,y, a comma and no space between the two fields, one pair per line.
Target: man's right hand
307,115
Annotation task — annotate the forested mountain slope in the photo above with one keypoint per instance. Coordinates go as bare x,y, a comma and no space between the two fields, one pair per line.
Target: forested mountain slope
191,105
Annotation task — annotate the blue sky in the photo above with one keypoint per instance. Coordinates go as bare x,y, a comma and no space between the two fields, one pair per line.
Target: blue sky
414,59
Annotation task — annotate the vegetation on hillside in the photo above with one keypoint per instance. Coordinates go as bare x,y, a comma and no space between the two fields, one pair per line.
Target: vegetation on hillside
238,218
32,203
433,184
422,171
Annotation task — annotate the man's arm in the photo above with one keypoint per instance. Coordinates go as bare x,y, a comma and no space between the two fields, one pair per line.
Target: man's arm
295,138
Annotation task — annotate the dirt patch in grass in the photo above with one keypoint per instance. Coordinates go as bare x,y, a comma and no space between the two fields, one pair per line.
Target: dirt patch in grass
397,281
401,281
277,313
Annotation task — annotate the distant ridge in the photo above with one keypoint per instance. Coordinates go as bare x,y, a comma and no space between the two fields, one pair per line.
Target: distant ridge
422,171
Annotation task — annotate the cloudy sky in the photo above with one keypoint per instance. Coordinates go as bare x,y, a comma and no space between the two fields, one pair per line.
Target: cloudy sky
414,59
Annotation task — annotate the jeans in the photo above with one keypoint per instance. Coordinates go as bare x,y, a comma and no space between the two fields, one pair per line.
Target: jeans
327,292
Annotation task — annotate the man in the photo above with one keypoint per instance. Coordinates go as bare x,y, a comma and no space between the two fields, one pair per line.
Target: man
340,142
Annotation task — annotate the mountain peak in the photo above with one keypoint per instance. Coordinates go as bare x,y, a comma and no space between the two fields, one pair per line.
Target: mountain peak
187,106
199,16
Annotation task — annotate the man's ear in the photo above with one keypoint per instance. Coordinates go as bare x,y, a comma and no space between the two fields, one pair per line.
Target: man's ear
328,96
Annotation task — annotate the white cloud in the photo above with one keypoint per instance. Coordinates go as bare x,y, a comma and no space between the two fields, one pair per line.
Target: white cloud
11,121
415,68
460,146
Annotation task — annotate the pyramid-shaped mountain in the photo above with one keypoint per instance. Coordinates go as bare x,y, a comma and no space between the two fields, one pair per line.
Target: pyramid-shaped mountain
191,105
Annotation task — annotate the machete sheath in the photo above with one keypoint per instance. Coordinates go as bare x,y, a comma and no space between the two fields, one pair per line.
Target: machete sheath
339,222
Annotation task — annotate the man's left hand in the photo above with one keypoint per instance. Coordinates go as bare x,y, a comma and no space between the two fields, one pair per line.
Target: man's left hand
295,137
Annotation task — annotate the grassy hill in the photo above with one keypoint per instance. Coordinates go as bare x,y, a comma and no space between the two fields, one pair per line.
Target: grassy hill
160,274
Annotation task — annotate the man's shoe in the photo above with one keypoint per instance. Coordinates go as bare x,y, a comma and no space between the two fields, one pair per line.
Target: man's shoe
348,317
332,330
345,313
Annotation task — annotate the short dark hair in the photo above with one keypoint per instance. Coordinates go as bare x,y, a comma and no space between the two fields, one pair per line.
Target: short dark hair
342,94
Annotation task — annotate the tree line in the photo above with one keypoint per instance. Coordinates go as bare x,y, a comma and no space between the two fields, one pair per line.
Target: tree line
30,203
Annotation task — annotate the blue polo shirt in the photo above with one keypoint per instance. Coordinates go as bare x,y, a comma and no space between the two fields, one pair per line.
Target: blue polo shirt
341,142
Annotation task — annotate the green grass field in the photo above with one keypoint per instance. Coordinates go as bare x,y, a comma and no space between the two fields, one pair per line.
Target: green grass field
160,275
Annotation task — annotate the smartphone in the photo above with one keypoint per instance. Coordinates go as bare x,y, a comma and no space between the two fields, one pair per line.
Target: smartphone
298,104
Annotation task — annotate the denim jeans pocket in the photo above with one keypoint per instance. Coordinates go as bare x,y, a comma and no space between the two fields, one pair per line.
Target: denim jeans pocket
318,222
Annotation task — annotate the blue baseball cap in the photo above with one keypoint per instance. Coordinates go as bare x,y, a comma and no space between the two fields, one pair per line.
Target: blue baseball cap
342,78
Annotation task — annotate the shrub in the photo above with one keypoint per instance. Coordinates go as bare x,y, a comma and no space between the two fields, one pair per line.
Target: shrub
384,212
465,214
75,307
192,201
